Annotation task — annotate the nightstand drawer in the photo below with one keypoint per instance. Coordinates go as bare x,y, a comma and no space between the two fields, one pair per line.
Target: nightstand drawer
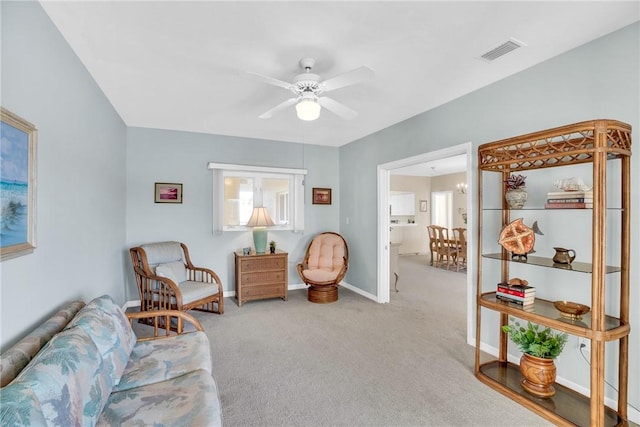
249,279
262,291
262,264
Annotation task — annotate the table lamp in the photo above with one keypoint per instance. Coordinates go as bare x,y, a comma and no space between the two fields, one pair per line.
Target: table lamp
260,220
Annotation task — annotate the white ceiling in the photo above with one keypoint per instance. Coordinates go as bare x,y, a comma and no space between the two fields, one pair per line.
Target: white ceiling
445,166
182,65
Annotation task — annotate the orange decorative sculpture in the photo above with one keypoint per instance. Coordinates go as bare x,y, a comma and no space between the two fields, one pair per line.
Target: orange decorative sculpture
518,239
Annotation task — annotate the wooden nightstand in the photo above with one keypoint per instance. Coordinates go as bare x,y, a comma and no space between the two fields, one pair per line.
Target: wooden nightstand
261,276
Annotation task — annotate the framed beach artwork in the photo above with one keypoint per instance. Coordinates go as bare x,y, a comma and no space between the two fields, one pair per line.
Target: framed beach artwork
168,193
17,186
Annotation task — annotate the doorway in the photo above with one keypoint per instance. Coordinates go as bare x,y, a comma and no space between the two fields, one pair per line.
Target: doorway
384,220
441,208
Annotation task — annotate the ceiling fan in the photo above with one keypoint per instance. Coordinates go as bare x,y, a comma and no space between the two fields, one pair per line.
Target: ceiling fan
307,88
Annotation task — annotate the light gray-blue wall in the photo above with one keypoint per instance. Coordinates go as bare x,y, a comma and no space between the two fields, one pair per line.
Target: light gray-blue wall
182,157
598,80
81,189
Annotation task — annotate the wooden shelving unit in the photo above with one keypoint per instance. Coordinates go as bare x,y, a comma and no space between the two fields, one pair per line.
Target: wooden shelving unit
596,142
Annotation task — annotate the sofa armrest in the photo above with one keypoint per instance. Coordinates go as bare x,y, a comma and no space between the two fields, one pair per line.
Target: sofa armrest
163,317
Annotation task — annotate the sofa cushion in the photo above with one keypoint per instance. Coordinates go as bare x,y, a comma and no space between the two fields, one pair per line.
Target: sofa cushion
165,359
67,379
188,400
175,271
19,406
108,326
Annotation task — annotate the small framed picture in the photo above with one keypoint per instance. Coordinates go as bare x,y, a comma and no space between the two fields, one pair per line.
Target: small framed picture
423,205
321,196
168,193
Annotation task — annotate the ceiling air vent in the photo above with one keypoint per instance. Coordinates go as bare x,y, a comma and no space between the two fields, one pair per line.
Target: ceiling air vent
503,49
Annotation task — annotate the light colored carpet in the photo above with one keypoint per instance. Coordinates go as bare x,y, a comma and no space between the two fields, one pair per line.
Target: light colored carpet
356,362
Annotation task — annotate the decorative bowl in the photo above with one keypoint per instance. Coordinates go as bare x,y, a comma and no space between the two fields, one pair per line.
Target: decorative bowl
571,310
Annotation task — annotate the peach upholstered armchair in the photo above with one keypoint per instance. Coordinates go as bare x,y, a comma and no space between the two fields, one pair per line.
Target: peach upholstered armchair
324,266
167,280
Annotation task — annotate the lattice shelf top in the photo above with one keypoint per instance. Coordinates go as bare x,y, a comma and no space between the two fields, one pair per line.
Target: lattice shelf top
576,143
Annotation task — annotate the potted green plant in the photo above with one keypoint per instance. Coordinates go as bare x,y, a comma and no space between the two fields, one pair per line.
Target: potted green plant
540,346
516,195
272,246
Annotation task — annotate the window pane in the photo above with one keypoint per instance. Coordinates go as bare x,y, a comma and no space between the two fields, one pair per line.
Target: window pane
238,200
441,203
275,197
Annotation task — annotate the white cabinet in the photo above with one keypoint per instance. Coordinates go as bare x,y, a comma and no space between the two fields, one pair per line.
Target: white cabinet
403,203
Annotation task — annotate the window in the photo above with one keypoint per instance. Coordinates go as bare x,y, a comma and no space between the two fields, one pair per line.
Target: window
237,189
441,208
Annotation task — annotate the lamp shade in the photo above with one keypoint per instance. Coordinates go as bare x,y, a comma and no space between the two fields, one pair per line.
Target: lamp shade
260,220
308,109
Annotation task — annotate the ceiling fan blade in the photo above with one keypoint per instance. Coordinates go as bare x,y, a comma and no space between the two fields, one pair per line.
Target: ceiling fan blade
350,77
337,108
270,80
268,114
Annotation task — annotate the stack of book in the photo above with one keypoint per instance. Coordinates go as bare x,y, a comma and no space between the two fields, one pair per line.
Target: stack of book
569,200
523,295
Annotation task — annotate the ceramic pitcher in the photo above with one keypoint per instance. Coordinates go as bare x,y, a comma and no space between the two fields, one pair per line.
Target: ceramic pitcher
564,256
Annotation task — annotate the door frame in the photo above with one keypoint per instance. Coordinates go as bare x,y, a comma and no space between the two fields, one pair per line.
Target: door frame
384,219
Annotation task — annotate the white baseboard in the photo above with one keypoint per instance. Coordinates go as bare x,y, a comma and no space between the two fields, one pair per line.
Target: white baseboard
633,414
130,304
226,294
359,291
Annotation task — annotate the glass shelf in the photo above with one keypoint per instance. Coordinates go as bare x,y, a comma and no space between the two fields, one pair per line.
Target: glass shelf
551,316
581,267
567,405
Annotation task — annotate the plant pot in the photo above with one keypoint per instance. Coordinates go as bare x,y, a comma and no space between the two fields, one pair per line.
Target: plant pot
539,375
516,198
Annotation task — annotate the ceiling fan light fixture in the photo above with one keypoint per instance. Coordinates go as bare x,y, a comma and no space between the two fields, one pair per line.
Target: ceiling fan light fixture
308,109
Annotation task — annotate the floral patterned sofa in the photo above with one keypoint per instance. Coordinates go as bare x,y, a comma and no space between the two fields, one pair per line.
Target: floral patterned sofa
85,366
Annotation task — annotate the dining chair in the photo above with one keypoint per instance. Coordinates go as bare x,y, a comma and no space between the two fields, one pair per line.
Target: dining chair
433,240
447,250
460,237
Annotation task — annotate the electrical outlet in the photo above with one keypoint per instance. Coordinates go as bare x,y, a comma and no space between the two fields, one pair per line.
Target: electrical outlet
584,344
